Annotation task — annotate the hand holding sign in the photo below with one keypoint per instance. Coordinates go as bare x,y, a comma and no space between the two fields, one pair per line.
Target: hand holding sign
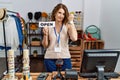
49,24
45,30
46,25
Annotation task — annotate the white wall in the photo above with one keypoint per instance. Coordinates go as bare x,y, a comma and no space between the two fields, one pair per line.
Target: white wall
74,5
110,25
91,12
5,4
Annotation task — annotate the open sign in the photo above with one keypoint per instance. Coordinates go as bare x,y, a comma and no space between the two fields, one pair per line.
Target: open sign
49,24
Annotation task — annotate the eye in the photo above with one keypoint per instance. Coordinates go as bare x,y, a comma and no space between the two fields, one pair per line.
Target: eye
59,12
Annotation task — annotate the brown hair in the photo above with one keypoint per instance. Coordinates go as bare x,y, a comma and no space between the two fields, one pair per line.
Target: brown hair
56,8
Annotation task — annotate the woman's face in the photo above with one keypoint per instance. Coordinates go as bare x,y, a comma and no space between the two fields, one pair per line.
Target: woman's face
60,15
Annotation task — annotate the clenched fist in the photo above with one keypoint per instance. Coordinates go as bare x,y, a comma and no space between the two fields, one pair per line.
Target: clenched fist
71,17
45,30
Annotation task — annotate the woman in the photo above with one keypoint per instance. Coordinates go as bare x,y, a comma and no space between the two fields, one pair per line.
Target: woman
56,39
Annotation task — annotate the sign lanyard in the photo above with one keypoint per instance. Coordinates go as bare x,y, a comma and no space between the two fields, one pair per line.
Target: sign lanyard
58,37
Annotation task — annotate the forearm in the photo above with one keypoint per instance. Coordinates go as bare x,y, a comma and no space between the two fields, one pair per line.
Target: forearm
72,32
45,41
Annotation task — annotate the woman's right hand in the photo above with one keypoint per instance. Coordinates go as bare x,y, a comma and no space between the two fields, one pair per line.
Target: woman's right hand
45,30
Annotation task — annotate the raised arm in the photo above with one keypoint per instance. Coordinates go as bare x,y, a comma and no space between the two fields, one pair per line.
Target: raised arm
71,28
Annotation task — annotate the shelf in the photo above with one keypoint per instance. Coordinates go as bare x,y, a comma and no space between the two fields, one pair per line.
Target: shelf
32,23
76,51
38,57
78,28
75,48
34,45
34,34
96,44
